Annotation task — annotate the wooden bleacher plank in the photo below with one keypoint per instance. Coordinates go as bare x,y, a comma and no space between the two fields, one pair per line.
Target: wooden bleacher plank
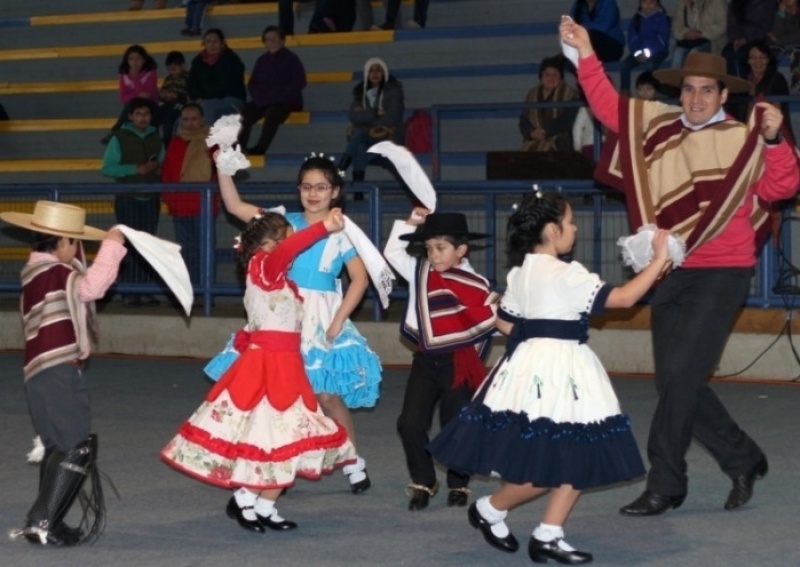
7,88
165,14
56,124
468,158
190,45
65,124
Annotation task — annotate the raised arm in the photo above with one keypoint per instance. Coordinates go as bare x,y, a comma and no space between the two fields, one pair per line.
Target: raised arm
233,203
603,99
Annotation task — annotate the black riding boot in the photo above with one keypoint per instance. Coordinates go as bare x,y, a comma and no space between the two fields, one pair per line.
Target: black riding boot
63,475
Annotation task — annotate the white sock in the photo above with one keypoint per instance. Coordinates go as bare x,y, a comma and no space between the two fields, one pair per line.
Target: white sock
246,499
548,532
494,516
264,507
356,472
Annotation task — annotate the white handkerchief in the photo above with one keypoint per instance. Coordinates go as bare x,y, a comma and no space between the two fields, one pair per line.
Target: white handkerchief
166,259
410,170
378,269
637,249
225,131
230,160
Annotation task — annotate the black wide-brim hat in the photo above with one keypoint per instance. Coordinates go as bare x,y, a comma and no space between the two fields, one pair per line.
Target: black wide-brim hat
443,224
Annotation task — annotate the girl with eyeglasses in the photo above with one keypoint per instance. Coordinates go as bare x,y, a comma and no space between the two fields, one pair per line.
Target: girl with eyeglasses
344,372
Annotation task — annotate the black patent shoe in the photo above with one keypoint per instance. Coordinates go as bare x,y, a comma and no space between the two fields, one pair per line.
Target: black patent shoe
280,526
651,504
361,485
458,496
541,551
234,512
742,489
508,544
352,472
420,495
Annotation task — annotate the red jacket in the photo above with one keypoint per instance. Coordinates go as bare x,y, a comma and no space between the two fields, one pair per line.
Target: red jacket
182,204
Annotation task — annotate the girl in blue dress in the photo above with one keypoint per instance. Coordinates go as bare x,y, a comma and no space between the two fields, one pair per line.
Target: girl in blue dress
546,419
344,372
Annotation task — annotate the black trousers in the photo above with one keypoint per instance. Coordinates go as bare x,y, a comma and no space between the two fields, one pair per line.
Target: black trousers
274,115
693,311
429,382
58,401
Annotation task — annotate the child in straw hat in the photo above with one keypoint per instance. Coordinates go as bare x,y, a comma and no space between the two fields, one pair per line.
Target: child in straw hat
56,282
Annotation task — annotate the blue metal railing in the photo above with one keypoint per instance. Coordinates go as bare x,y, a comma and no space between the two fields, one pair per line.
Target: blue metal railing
486,204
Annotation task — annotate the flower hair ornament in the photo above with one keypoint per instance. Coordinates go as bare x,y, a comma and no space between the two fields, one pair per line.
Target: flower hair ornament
537,192
224,134
330,158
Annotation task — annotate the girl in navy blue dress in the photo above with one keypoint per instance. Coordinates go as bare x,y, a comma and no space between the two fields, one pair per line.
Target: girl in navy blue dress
546,419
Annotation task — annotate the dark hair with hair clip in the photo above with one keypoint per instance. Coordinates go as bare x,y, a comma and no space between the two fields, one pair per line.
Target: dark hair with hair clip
265,225
320,162
526,225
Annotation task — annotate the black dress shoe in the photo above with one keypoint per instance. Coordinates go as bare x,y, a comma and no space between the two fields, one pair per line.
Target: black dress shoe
651,504
541,551
508,544
361,485
234,512
458,497
268,522
420,496
742,489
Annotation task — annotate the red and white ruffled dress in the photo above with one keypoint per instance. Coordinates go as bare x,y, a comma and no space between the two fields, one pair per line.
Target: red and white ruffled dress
260,426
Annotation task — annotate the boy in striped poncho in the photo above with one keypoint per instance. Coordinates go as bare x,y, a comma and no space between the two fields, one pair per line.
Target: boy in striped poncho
450,318
57,305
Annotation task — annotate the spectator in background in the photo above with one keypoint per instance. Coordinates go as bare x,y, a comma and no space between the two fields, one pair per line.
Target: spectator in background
333,16
195,11
698,25
784,38
601,19
188,160
133,155
393,10
583,132
647,86
376,114
364,15
276,90
549,128
172,94
216,78
762,66
748,21
137,78
648,41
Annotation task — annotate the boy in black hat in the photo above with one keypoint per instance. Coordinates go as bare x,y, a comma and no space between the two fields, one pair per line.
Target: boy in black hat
450,317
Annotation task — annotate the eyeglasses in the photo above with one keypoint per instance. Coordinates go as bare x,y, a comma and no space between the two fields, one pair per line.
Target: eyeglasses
317,187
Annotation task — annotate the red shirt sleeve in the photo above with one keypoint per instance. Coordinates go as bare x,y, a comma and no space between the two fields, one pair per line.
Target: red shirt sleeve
603,99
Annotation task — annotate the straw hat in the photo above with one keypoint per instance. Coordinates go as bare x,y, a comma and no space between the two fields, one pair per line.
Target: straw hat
443,224
55,218
699,64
